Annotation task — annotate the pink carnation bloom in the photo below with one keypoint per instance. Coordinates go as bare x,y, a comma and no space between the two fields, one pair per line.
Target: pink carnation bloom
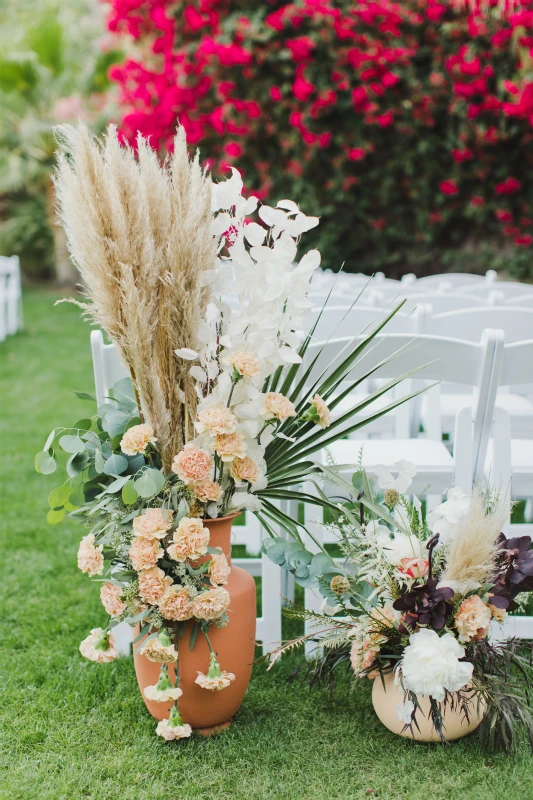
153,584
216,420
473,619
219,570
192,464
137,439
230,446
99,646
153,523
90,558
191,540
244,469
144,553
211,605
110,596
176,604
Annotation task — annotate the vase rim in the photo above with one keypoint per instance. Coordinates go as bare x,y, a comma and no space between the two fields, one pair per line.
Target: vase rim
222,519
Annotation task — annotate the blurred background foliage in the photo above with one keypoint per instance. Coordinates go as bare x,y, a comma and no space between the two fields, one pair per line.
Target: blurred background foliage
54,62
408,127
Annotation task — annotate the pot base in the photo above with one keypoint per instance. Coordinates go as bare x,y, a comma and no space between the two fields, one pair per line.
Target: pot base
214,730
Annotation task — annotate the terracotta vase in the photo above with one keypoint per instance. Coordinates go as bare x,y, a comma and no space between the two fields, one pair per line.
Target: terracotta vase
386,699
234,646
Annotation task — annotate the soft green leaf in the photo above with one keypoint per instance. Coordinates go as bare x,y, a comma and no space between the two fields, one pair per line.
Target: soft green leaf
145,486
117,485
45,463
55,515
115,465
59,496
76,464
85,396
72,444
129,493
82,424
99,463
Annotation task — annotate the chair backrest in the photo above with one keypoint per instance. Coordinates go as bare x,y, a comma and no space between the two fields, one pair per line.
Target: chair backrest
506,288
107,364
10,296
338,321
458,279
520,301
469,323
434,358
443,301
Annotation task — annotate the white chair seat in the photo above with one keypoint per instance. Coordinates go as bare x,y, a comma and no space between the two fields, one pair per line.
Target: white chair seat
435,465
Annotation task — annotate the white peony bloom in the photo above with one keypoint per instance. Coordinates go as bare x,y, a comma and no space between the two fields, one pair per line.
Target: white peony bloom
402,546
406,472
444,517
431,665
404,712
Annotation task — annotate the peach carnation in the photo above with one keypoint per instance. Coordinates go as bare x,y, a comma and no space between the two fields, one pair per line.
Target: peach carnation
216,679
277,406
168,695
244,469
191,539
323,412
217,420
246,364
137,439
153,523
176,604
211,605
160,649
153,584
192,464
110,596
230,446
144,553
99,646
90,558
173,727
472,619
208,491
219,569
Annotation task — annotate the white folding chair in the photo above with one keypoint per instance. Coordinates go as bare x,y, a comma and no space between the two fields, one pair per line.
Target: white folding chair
520,301
509,462
458,280
10,296
507,288
108,369
468,324
468,363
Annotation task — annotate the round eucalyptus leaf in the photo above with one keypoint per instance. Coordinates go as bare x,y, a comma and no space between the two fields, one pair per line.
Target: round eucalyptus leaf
157,476
59,496
145,486
82,424
129,493
55,515
76,496
76,464
99,463
45,463
115,465
72,444
117,484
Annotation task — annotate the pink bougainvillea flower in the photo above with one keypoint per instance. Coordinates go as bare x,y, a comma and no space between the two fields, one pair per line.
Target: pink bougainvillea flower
449,187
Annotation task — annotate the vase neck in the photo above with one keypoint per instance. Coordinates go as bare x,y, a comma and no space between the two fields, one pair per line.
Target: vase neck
220,534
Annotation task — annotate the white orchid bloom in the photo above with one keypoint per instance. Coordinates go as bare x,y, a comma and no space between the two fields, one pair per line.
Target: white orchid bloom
406,472
445,517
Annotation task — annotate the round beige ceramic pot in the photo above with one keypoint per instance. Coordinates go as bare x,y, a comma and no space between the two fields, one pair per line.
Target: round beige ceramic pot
387,698
234,646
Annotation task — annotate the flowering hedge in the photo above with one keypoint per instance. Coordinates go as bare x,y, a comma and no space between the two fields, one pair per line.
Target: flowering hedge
409,125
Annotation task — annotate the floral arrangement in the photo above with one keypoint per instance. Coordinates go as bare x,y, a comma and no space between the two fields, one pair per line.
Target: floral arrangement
373,88
206,308
416,594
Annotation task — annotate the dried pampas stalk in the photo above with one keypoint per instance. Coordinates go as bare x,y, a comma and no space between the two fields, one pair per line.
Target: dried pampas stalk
139,233
473,549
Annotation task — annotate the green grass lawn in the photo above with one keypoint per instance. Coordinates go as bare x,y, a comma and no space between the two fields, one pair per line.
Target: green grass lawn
73,729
